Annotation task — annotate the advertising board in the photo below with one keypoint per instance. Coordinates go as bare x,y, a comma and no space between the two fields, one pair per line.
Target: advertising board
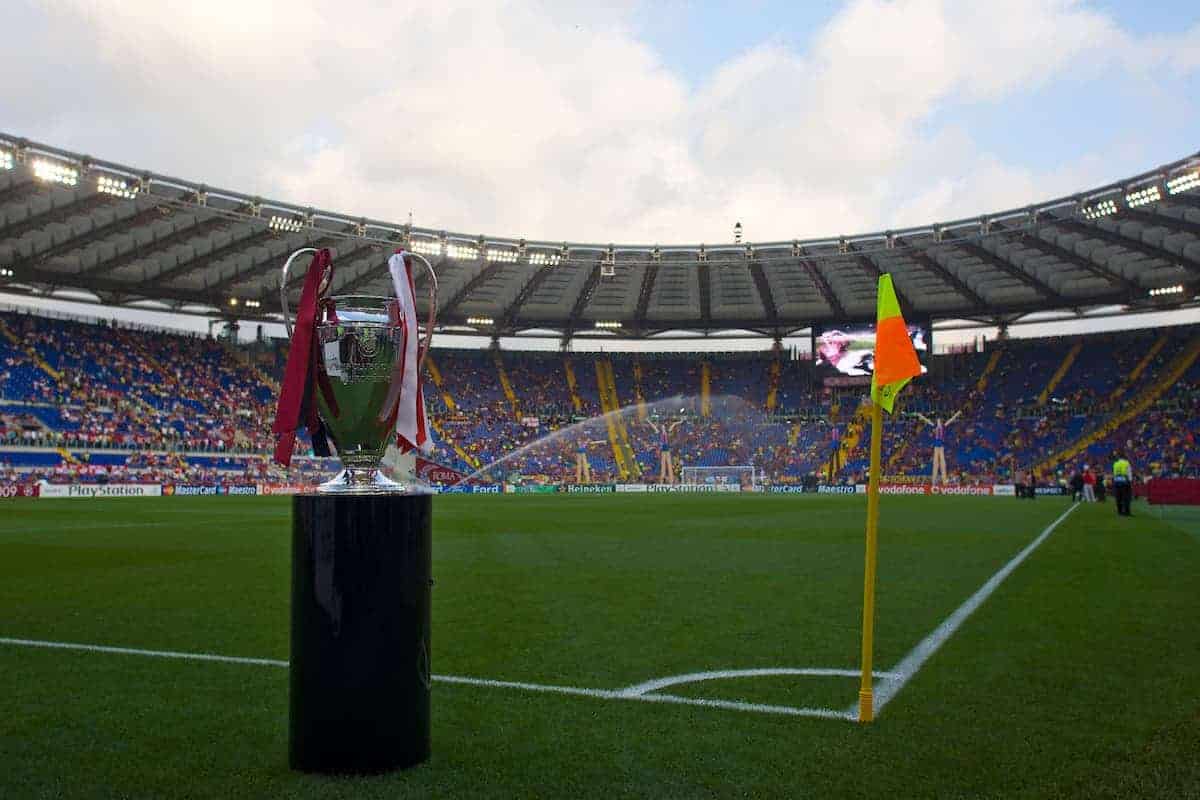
588,488
19,490
87,490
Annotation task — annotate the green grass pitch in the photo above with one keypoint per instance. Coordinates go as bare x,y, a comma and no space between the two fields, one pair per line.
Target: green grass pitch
1076,678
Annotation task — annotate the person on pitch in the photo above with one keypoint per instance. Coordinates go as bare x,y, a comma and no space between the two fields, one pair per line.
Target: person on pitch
583,470
835,451
1076,486
939,443
1122,484
666,465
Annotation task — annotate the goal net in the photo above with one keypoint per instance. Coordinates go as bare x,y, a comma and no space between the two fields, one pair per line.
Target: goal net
741,475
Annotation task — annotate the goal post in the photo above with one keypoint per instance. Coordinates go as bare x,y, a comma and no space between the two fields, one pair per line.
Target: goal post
739,475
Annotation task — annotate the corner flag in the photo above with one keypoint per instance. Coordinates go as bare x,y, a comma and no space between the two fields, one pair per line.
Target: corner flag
895,365
895,358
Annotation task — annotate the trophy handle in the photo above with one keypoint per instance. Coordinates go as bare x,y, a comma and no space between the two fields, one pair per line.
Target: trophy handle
433,293
283,303
429,323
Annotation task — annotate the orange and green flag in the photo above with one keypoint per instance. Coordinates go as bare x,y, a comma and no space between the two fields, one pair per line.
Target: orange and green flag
895,358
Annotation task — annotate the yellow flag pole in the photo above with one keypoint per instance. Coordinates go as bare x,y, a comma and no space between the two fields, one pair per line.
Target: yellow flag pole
866,692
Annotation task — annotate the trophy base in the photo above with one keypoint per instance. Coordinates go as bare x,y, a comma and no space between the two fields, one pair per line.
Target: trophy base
359,684
369,481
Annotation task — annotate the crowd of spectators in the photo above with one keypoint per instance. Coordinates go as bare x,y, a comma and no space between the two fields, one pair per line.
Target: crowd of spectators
149,401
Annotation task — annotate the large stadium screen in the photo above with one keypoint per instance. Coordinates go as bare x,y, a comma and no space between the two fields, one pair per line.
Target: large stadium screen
845,356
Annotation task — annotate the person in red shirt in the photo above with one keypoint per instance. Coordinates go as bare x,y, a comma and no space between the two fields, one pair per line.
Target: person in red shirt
1089,485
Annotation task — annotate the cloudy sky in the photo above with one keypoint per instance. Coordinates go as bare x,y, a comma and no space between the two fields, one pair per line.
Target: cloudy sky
648,122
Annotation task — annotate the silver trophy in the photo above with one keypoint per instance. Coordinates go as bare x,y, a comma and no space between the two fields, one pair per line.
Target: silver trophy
360,345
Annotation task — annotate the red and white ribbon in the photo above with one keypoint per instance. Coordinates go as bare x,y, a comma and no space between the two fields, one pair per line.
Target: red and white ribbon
411,428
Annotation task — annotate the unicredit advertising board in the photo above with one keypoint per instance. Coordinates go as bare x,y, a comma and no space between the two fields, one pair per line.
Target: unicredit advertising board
693,488
433,472
19,490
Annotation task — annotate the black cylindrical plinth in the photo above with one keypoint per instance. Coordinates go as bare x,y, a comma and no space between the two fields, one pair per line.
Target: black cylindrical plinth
360,669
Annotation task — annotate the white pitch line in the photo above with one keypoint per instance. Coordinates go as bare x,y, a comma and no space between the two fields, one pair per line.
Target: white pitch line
737,705
57,528
132,651
603,694
622,694
725,674
916,658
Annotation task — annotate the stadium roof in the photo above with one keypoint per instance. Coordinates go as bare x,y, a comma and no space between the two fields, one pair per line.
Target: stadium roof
72,223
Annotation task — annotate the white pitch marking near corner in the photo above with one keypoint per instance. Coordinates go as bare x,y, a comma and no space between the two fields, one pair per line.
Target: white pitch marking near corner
640,689
603,694
737,705
916,658
622,694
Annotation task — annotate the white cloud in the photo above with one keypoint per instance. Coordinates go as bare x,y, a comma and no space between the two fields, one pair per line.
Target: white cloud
555,121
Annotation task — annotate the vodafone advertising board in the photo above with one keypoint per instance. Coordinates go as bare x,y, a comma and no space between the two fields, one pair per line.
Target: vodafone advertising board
965,489
969,490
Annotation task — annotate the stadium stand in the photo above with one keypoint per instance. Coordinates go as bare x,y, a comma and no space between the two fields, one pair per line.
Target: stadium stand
90,401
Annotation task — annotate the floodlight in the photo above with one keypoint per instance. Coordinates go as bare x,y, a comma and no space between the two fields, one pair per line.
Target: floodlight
1104,208
117,187
463,251
500,255
1183,182
288,224
1143,197
544,258
427,247
54,172
1167,290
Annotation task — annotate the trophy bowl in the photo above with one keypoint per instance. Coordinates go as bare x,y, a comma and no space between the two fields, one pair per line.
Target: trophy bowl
359,347
358,383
